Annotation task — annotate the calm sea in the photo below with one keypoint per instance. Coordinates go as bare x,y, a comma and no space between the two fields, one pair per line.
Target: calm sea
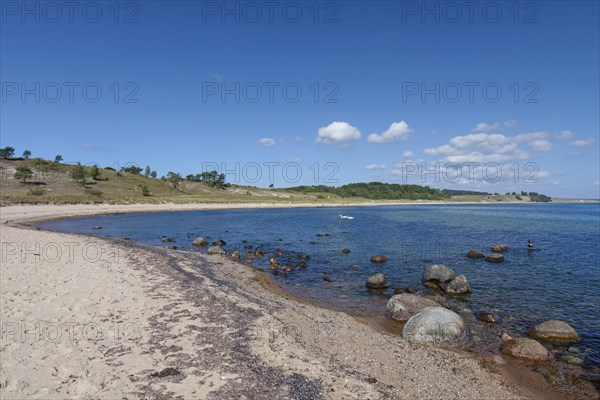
559,280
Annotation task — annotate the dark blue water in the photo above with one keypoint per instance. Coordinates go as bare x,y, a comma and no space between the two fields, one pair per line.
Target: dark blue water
560,280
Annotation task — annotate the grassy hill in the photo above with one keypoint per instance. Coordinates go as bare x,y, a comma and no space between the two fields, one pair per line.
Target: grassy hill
54,183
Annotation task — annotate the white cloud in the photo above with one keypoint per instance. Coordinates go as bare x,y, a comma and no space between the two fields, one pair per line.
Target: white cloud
526,137
540,145
511,124
375,166
565,135
479,147
484,127
408,154
267,142
396,131
582,143
337,133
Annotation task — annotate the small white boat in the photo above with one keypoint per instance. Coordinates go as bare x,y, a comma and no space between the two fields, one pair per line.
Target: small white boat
346,217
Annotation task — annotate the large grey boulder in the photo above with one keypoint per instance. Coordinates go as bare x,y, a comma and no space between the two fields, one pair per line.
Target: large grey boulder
401,307
200,242
436,274
526,349
437,325
554,331
458,285
377,281
215,250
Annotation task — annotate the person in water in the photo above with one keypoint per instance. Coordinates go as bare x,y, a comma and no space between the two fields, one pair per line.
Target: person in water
529,244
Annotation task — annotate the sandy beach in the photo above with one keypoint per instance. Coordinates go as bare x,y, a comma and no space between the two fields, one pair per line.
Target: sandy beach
95,318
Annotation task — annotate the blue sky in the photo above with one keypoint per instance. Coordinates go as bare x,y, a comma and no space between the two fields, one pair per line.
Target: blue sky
186,85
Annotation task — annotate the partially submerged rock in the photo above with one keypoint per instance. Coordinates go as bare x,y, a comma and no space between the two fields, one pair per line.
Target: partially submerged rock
495,257
437,325
379,259
526,349
322,234
200,242
437,274
345,251
474,254
498,248
554,331
401,307
458,285
488,316
165,239
377,281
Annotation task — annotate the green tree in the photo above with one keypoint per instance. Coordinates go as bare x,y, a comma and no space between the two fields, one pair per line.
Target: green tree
174,178
7,152
153,174
147,171
27,154
211,178
132,169
145,191
78,174
23,173
271,186
58,159
95,172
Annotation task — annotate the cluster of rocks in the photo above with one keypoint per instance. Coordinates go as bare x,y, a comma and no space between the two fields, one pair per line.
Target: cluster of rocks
442,277
553,331
496,256
427,318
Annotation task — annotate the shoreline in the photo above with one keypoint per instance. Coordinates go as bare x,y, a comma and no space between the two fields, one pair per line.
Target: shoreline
83,209
25,216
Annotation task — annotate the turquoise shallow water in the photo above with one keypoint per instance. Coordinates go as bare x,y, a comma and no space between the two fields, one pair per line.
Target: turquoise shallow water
560,280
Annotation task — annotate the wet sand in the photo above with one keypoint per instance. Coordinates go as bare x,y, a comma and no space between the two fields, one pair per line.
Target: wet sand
105,318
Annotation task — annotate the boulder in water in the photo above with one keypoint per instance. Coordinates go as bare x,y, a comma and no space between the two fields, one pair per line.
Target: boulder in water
526,349
436,274
474,254
377,281
219,242
458,285
345,251
321,234
379,259
165,239
437,325
401,307
495,257
499,248
200,242
554,331
488,316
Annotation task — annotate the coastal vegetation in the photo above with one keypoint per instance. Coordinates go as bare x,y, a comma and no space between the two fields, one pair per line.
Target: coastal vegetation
58,182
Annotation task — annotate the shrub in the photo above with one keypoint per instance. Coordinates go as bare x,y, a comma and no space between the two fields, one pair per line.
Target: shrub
36,192
145,191
23,173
